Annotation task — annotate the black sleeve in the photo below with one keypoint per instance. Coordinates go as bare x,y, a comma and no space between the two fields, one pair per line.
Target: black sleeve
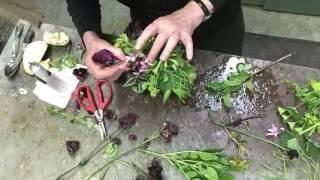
86,15
217,4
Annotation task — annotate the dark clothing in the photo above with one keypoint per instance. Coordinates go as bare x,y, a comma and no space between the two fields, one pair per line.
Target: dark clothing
223,32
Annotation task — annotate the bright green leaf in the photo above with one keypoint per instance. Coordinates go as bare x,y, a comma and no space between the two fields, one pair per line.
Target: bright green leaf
281,110
227,100
291,125
315,85
191,174
166,96
211,174
294,144
207,156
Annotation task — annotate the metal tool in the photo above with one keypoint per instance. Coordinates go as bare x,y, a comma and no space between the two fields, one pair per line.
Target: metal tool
84,97
12,67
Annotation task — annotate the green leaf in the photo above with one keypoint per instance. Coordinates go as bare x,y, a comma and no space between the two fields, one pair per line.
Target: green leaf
211,174
194,155
226,176
166,96
191,174
227,100
315,85
299,130
249,85
281,110
291,125
294,144
111,150
207,156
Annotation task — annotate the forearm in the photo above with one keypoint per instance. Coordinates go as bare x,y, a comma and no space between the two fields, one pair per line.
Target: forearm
85,15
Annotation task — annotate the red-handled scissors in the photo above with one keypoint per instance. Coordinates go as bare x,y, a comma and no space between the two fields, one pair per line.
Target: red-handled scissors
87,102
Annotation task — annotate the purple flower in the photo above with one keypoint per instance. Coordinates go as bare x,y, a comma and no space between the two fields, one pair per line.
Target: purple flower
274,131
104,57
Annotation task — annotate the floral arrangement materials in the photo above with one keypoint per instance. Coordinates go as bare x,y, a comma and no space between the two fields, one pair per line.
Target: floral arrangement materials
172,77
202,164
274,131
226,88
306,123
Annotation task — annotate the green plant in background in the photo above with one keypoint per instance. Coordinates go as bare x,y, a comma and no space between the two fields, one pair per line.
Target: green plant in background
199,165
172,77
227,88
306,123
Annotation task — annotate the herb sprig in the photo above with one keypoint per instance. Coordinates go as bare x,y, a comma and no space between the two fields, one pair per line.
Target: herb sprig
202,164
172,77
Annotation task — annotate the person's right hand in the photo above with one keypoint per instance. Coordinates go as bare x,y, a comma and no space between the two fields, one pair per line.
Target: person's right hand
94,44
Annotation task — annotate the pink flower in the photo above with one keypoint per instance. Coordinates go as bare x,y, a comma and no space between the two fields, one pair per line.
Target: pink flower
274,131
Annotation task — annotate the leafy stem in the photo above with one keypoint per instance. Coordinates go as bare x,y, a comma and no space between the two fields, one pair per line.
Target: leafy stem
246,134
87,158
153,137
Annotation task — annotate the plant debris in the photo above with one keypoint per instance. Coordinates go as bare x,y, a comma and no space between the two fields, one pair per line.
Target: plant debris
169,130
80,73
74,117
116,141
127,121
132,137
111,150
154,171
198,164
109,114
72,147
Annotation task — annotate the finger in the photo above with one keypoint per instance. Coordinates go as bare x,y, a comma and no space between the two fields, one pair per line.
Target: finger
157,45
118,53
110,73
149,32
188,44
171,44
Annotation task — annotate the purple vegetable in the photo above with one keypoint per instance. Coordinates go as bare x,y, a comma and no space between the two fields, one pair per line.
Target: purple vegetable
104,57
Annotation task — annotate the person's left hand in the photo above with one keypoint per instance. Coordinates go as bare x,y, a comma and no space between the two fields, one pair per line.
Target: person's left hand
171,29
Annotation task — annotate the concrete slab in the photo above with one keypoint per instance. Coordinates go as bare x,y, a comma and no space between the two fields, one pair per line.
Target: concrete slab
32,141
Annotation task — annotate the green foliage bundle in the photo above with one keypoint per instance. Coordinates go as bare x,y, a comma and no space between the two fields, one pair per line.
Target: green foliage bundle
232,84
172,77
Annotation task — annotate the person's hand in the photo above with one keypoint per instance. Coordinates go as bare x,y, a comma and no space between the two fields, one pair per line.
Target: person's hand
171,29
94,44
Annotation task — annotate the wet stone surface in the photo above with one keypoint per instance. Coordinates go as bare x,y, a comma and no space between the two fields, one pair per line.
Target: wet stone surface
244,103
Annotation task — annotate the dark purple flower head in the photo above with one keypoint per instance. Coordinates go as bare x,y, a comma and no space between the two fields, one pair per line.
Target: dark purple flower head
132,137
72,147
168,131
154,171
292,154
127,121
80,73
104,57
109,114
116,141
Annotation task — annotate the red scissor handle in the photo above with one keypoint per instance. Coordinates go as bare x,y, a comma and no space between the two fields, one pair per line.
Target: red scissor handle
103,102
85,98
